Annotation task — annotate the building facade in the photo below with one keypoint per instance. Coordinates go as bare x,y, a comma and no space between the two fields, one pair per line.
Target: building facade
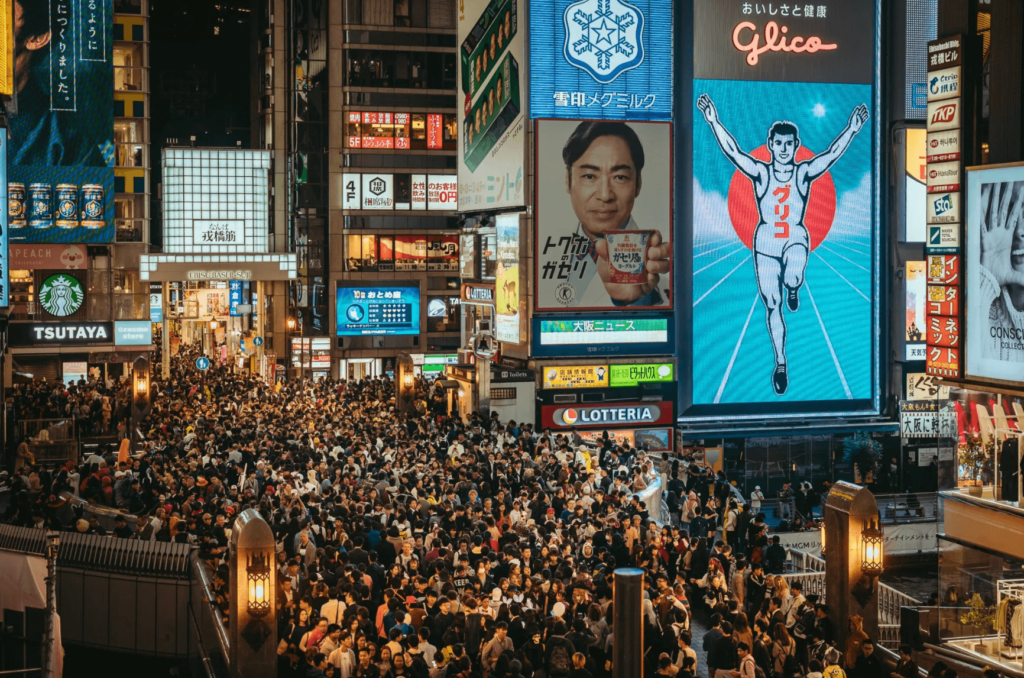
357,101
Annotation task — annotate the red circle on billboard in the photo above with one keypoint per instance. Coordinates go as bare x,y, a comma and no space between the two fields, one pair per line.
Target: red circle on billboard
569,416
818,216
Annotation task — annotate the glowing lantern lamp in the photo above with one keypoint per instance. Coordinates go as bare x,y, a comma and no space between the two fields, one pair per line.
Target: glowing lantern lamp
822,527
871,550
258,573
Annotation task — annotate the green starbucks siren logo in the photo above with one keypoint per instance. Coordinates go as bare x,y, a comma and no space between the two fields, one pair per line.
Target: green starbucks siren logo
61,295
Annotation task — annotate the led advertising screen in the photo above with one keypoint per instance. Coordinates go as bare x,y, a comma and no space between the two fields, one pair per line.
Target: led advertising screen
602,335
606,59
508,321
995,276
492,134
650,439
785,206
378,310
604,216
61,158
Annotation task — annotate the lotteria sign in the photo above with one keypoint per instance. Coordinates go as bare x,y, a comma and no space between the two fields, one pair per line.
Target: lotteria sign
606,414
24,334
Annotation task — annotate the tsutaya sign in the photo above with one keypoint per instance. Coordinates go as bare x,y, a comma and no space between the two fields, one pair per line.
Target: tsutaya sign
26,334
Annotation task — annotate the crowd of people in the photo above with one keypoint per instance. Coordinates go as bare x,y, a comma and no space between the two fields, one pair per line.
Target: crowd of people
423,546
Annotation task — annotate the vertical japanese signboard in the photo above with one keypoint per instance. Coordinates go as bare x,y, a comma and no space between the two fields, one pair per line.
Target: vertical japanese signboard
784,282
492,134
61,156
509,321
943,323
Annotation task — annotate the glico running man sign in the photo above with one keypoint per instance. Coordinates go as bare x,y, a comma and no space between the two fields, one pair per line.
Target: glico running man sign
785,244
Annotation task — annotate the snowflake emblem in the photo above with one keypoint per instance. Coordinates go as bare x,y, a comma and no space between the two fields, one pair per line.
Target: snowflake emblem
604,38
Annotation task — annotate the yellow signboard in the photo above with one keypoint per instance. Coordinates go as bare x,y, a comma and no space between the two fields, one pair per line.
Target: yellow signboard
576,376
6,48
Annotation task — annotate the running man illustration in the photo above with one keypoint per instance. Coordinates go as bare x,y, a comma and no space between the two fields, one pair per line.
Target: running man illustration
781,241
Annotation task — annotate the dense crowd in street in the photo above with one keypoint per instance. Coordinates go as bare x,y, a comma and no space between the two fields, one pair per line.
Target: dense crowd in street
420,545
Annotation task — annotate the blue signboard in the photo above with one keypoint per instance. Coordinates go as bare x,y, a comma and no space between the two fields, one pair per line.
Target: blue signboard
62,154
202,363
234,297
156,307
581,336
601,59
133,333
257,341
378,309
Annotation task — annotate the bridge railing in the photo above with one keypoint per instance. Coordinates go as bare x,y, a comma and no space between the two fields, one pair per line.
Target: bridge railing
210,653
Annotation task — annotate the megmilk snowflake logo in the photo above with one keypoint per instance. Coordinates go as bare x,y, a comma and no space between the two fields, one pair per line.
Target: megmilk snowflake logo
61,295
604,38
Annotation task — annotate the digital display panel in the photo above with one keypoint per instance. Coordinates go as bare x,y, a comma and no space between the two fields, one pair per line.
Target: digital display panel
650,439
61,160
378,309
606,59
628,229
597,335
785,246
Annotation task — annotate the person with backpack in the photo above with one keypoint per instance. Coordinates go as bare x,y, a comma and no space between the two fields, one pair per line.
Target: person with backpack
475,621
748,667
784,660
558,652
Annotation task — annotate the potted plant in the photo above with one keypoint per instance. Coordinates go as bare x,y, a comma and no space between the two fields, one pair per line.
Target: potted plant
864,452
971,456
981,616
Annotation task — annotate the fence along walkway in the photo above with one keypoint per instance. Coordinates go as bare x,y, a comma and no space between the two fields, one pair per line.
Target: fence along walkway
810,572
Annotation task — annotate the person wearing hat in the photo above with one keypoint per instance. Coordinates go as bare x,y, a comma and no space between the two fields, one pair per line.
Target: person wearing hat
756,497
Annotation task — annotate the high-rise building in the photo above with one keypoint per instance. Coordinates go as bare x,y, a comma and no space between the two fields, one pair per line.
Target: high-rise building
80,210
357,102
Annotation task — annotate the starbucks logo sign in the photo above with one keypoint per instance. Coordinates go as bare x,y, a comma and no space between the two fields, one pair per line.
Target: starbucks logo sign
61,295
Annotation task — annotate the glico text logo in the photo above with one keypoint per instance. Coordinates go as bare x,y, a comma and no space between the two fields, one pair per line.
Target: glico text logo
774,41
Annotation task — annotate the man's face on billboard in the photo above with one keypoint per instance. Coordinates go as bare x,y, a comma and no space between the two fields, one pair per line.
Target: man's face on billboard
603,185
783,148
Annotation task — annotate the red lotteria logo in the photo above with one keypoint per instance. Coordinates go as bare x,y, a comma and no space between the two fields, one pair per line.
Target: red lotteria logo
944,113
774,41
570,416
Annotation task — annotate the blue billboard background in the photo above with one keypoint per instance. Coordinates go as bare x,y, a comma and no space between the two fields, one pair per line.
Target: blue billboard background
378,310
603,71
62,134
829,340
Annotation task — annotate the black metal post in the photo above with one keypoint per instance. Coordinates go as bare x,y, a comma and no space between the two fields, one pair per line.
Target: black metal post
627,625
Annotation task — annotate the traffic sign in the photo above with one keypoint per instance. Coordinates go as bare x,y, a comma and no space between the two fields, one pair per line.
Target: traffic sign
257,341
202,363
